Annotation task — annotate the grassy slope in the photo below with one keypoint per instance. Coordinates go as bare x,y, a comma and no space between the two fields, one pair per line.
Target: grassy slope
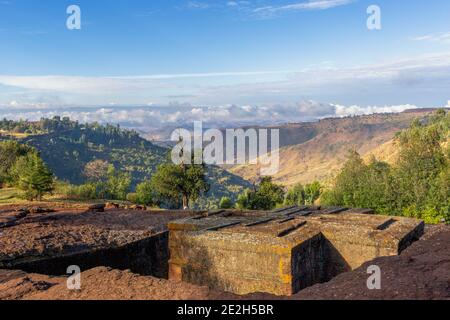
9,195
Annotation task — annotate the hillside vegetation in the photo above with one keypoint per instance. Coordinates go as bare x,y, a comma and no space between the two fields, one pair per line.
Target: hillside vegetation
67,147
318,150
416,185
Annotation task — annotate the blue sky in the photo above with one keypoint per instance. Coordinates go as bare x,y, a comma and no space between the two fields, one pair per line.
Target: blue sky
221,53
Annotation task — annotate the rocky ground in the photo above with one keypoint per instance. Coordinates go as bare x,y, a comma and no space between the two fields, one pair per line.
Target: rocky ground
73,229
101,284
420,272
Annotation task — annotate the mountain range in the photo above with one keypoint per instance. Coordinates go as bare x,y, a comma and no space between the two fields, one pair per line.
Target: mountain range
309,151
317,150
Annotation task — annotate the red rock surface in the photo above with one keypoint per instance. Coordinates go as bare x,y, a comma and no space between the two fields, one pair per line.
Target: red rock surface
102,284
420,272
72,229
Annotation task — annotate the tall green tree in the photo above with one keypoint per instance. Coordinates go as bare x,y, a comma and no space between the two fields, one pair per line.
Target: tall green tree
10,151
347,186
312,192
180,183
420,165
363,185
144,193
34,178
118,183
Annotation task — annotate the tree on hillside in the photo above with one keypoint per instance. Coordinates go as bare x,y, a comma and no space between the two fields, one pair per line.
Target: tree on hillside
420,162
422,170
300,195
347,186
34,178
312,192
379,189
266,196
144,193
362,185
295,196
418,185
10,151
180,182
118,184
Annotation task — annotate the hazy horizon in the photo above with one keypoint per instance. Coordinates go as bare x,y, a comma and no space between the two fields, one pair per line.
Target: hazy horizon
230,58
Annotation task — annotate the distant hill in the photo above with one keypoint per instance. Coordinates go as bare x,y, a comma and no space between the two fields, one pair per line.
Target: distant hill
67,146
309,151
317,150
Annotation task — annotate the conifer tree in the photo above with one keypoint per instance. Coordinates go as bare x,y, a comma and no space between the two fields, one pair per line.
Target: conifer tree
34,177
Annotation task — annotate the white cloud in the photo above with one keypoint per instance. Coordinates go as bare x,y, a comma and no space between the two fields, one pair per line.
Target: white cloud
111,84
71,84
423,77
441,37
265,8
342,111
301,6
197,5
21,105
160,118
403,79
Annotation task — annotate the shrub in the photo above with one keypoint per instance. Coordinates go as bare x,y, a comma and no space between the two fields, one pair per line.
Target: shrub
312,192
144,193
295,196
88,191
267,196
225,203
132,197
